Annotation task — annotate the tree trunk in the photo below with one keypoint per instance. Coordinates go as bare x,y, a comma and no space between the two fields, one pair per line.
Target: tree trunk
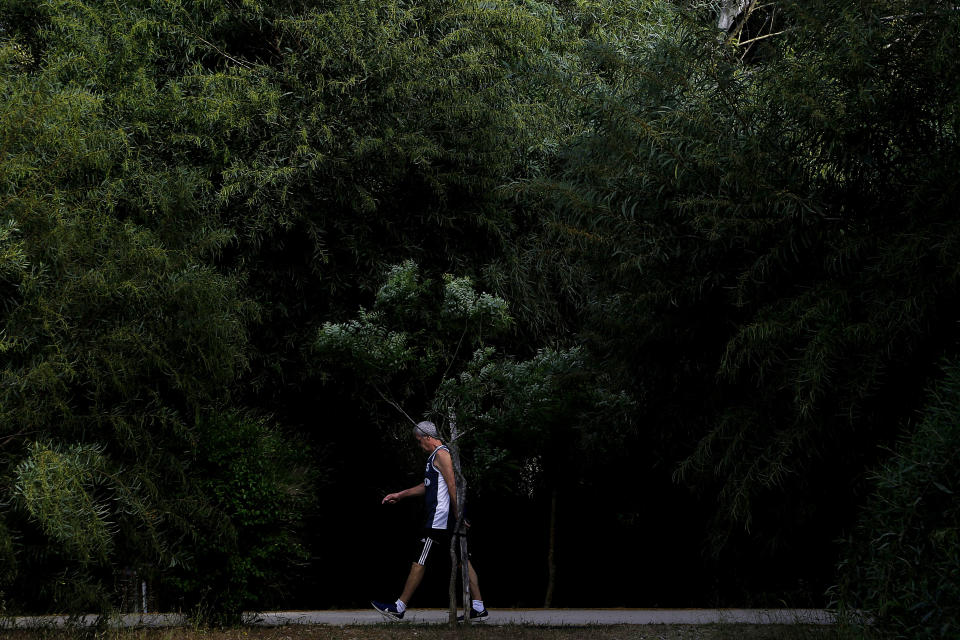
459,537
452,588
465,575
551,552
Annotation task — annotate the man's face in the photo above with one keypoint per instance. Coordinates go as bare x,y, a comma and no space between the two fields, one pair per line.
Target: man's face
422,441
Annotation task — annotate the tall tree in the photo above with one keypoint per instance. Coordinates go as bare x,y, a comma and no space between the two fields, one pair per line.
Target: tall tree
407,343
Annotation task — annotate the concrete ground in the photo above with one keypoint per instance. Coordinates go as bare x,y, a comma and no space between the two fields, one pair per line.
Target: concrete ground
541,617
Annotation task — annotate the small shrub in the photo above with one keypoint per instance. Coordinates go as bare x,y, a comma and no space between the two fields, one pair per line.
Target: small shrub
255,480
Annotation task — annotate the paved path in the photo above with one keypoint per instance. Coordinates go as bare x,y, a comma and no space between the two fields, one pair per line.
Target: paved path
541,617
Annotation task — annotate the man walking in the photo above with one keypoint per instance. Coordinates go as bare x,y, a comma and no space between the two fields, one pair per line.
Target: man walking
439,489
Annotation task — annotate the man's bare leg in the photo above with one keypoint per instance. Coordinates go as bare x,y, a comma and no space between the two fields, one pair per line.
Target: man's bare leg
413,581
474,583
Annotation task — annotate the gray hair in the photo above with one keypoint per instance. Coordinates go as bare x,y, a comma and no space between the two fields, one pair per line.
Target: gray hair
426,428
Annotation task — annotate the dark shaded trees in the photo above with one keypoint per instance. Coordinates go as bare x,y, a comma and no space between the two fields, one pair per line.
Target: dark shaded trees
763,247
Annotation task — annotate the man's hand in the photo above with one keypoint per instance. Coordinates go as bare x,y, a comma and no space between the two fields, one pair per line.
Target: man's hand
390,498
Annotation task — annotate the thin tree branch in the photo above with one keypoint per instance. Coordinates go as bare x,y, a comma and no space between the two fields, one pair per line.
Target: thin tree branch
394,404
929,14
466,326
769,35
245,65
460,434
4,441
743,17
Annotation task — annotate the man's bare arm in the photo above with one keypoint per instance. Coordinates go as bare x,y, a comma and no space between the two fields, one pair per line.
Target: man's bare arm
392,498
444,465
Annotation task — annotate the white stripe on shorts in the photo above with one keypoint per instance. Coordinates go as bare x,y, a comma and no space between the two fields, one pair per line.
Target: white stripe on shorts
427,543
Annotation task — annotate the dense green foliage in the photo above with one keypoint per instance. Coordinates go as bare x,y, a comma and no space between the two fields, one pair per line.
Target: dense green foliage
428,345
121,338
416,334
722,261
257,482
777,238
